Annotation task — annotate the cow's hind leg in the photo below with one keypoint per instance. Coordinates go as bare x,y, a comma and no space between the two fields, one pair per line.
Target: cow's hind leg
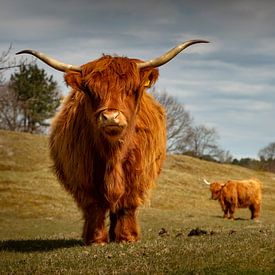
123,226
255,211
225,215
94,230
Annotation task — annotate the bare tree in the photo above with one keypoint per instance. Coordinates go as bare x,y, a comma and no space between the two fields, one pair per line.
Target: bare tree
178,122
6,63
267,157
223,156
202,141
4,57
184,138
10,109
267,152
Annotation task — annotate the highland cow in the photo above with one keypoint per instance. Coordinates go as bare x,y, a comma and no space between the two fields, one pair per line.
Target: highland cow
108,141
237,194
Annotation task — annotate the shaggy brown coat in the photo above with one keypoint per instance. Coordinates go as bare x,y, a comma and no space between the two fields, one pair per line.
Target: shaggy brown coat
109,172
238,194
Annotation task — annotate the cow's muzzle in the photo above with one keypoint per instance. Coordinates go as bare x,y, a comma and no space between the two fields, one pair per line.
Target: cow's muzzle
112,122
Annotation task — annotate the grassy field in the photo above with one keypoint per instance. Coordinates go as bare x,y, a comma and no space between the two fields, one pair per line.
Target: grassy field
40,230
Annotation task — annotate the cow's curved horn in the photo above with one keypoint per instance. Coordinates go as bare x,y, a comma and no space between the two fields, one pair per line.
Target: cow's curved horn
161,60
207,182
51,61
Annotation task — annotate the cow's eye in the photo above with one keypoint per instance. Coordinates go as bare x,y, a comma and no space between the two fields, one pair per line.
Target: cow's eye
94,98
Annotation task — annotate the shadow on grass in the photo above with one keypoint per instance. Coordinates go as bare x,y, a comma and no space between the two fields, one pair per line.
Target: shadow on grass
37,245
242,219
236,219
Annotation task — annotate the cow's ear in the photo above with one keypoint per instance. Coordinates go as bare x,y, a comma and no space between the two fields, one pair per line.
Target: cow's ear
74,80
149,77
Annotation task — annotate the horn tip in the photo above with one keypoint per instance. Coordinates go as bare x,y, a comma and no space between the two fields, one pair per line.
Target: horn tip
205,181
24,51
199,41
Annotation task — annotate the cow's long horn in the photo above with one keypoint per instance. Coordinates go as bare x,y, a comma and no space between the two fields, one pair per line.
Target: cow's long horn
207,182
161,60
51,61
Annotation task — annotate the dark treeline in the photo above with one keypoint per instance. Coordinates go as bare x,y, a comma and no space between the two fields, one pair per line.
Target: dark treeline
255,164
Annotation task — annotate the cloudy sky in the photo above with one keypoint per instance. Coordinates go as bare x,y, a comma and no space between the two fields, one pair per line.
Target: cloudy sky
228,84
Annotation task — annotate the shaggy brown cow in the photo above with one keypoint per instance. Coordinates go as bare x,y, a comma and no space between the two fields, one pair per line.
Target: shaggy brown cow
238,194
108,141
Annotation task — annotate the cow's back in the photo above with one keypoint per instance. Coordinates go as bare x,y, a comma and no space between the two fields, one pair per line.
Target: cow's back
248,192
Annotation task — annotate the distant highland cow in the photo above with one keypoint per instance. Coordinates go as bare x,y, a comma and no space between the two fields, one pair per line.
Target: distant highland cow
237,194
108,141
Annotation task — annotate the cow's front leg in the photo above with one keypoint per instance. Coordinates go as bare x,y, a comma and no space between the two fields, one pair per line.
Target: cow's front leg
94,230
123,226
225,215
225,209
231,212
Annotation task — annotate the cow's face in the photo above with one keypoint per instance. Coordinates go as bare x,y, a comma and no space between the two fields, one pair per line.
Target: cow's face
114,87
215,189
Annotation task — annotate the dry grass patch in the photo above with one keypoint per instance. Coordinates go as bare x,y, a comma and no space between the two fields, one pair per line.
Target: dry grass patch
41,226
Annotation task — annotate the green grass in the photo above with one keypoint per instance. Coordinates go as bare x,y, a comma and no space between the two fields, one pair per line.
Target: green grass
40,230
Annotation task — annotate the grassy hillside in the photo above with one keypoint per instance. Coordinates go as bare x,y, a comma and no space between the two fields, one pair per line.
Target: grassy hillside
41,226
